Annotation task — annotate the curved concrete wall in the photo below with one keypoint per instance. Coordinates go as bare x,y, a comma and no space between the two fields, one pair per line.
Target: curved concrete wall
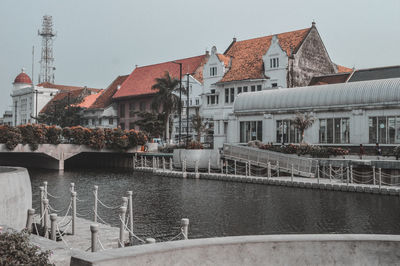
256,250
15,196
191,156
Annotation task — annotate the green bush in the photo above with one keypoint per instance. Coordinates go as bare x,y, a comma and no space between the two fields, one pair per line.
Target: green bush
15,249
312,150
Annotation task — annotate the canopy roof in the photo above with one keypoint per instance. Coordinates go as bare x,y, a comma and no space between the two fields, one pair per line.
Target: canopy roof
323,96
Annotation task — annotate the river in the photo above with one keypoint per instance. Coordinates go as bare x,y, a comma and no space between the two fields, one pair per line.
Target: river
217,208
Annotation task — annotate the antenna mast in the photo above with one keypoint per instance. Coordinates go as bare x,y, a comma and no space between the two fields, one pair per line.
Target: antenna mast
47,59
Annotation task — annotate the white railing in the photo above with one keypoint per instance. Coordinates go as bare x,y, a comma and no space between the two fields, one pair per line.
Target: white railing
302,166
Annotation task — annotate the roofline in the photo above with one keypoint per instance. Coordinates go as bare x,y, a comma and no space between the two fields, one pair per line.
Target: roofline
334,74
120,98
170,61
374,68
232,81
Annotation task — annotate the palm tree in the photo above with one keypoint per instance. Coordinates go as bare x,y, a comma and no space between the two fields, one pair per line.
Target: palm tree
302,122
198,124
165,99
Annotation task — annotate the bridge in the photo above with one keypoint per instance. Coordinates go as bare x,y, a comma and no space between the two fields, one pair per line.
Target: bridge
51,156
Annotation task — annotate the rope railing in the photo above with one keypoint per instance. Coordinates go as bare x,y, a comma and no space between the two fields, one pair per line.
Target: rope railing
54,197
129,231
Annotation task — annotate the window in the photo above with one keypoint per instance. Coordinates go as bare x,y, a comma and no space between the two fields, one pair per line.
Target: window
258,87
122,110
100,121
286,132
213,71
212,99
239,90
232,95
253,88
274,85
274,62
142,106
226,95
250,130
190,103
334,130
197,101
384,129
245,89
131,110
110,121
131,125
122,126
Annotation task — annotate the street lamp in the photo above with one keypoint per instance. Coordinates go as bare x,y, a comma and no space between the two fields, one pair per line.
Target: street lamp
180,99
187,110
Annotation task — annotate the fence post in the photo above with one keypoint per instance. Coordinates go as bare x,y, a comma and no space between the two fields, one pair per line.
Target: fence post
41,205
196,169
130,204
170,164
330,172
45,218
341,173
94,229
72,189
122,212
348,175
184,173
380,178
150,240
373,174
73,194
226,166
235,168
269,169
134,161
45,189
153,164
246,170
318,173
185,228
277,169
125,201
141,161
29,220
292,172
96,188
53,225
209,165
351,174
249,168
222,166
145,161
163,163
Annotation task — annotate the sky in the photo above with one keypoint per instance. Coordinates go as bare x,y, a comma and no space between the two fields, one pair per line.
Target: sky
97,40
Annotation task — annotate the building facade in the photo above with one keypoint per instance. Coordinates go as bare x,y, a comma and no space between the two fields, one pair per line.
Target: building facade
363,112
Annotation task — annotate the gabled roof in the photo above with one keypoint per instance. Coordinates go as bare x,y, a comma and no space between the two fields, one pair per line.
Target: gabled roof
73,94
143,78
88,100
343,69
247,55
329,79
64,87
375,73
105,98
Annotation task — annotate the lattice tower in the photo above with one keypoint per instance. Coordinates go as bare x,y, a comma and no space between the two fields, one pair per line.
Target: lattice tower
47,59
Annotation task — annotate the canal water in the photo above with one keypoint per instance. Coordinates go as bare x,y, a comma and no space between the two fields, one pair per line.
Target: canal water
217,208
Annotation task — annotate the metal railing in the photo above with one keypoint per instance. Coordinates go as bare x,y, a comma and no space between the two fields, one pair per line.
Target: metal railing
302,166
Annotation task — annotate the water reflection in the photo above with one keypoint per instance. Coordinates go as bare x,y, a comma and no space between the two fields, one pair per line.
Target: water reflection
221,208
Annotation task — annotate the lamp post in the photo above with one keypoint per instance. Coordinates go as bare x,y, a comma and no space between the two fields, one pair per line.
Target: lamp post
180,99
187,110
36,100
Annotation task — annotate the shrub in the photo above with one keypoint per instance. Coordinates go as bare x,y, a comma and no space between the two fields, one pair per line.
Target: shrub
15,249
97,139
53,135
194,145
313,150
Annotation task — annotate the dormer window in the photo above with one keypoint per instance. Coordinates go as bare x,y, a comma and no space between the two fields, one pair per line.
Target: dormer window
274,62
213,71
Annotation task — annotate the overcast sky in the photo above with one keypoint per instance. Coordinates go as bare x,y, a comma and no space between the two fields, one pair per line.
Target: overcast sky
98,40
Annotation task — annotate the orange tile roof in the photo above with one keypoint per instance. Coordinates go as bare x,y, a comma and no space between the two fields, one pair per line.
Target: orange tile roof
64,87
73,94
223,58
329,79
343,69
88,100
143,78
105,99
247,55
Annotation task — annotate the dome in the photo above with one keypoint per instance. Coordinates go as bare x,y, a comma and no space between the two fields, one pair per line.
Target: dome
23,78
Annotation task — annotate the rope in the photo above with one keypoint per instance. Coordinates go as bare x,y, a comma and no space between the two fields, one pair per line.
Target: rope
108,207
175,237
55,210
97,215
127,229
101,244
88,248
83,215
80,199
64,225
54,197
61,236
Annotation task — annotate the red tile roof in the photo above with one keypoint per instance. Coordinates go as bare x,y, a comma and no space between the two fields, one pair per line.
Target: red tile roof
329,79
105,98
247,55
343,69
223,58
64,87
23,78
143,78
88,100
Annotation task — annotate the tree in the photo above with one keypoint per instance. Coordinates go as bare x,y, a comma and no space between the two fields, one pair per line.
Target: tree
198,124
62,114
302,122
151,123
165,99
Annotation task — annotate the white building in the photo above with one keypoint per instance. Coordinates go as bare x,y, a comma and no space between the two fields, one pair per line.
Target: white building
278,61
28,100
363,112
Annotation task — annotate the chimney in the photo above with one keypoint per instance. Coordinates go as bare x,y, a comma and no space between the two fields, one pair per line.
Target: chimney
234,39
207,52
313,24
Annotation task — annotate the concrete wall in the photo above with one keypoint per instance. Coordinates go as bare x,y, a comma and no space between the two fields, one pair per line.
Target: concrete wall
201,156
256,250
15,196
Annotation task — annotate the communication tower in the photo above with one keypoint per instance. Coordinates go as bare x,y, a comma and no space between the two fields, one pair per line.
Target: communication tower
47,59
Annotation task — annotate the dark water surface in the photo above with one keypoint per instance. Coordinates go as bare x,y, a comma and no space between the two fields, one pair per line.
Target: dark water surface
217,208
